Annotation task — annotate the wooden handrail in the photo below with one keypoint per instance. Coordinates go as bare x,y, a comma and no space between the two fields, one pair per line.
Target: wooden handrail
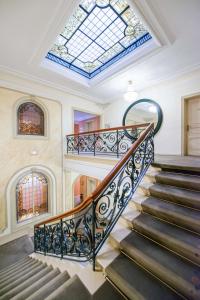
109,129
104,182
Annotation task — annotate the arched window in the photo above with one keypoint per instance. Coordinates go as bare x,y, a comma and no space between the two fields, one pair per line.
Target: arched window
30,119
32,196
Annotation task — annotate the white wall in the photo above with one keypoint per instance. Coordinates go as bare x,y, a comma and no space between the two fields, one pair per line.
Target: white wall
169,95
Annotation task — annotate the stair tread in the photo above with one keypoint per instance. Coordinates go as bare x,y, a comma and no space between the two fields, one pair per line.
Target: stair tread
15,265
129,215
176,162
169,207
107,292
23,295
29,281
21,278
20,272
176,194
49,287
119,232
192,181
16,268
178,239
71,289
169,267
130,279
183,216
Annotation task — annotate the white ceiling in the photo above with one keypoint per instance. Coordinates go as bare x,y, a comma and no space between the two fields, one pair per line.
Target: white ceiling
28,29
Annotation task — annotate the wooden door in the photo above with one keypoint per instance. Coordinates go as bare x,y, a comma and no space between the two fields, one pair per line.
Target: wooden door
193,126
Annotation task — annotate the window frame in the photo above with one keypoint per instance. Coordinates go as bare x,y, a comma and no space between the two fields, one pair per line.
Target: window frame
37,102
31,173
27,225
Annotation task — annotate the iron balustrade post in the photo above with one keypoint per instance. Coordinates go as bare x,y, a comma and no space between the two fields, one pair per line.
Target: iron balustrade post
67,144
94,144
153,145
117,143
93,235
78,144
34,239
61,238
44,239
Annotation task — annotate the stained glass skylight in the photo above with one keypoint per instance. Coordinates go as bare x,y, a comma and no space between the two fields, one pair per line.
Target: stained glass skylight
99,33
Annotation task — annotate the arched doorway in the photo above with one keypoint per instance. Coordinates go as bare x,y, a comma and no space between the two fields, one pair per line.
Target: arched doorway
83,187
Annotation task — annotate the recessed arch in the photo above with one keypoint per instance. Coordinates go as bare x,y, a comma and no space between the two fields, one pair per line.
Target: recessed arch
11,197
31,118
31,196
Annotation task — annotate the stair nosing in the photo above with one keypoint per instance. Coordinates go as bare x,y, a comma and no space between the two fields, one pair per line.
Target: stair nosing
176,242
158,267
167,211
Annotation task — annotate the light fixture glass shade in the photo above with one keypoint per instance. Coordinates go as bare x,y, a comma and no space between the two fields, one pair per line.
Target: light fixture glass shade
130,95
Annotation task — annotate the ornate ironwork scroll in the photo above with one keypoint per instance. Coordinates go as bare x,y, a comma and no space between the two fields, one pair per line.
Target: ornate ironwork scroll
114,143
81,236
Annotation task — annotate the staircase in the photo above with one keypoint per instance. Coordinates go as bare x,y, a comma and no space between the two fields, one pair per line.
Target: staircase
29,278
160,247
33,279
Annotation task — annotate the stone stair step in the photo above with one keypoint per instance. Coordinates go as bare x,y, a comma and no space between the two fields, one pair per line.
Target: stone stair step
106,255
29,290
179,180
137,201
135,283
16,268
144,187
12,277
178,195
128,216
175,271
118,233
71,289
21,278
185,164
185,217
174,238
49,287
151,174
26,283
107,292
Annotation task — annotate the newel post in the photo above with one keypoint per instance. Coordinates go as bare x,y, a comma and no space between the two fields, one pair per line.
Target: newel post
117,143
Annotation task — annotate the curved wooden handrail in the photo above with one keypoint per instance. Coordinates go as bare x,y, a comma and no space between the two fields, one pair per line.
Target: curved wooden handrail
109,129
104,182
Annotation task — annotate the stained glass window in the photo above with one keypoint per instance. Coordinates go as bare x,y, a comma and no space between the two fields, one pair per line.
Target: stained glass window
97,35
32,196
30,119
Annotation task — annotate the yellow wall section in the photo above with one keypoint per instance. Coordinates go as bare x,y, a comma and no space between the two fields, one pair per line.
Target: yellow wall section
15,153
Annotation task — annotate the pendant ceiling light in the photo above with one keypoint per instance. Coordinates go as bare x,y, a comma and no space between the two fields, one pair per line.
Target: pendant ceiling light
130,95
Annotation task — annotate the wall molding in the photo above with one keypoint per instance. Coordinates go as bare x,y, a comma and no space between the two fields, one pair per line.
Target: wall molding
27,77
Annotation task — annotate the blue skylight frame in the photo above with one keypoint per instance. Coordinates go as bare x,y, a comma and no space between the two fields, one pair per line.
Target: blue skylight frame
137,41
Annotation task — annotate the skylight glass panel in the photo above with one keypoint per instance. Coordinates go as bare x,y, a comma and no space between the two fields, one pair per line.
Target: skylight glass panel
99,33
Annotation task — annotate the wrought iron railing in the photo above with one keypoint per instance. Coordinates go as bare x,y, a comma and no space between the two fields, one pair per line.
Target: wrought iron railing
80,233
113,141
